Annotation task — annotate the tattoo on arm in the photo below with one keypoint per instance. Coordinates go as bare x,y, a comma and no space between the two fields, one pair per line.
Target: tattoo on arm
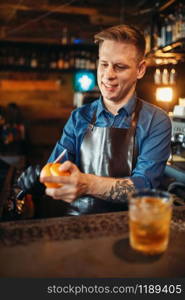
119,191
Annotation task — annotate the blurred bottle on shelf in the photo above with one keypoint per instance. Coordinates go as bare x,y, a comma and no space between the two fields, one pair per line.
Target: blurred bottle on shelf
51,57
83,60
168,34
163,34
165,76
157,76
172,79
61,61
34,62
77,60
180,21
88,61
170,28
66,61
43,61
22,60
65,36
72,59
53,60
94,62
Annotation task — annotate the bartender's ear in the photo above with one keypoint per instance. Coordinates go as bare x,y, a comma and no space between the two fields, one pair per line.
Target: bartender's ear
141,69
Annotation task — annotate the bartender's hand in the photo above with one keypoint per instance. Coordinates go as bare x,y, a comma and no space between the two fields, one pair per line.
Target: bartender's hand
73,186
29,182
79,184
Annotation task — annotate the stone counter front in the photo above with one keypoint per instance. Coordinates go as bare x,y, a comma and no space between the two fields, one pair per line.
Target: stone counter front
62,229
86,246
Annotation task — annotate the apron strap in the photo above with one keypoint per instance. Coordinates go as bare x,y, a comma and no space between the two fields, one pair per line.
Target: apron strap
135,117
93,121
135,114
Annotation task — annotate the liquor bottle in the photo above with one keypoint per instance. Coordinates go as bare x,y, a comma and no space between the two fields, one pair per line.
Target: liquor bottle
179,22
83,60
172,76
168,31
72,60
64,39
53,61
88,61
43,61
165,76
163,34
61,61
157,76
94,62
174,28
21,60
77,60
34,62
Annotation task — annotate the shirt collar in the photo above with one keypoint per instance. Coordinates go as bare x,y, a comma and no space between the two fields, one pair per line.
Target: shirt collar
128,107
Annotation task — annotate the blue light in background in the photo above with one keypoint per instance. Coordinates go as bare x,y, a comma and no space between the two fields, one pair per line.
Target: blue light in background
84,81
77,41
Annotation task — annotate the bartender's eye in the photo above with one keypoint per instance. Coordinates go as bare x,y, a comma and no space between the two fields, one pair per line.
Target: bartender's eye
119,67
103,64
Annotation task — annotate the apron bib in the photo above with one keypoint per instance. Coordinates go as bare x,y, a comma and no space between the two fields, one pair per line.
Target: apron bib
106,151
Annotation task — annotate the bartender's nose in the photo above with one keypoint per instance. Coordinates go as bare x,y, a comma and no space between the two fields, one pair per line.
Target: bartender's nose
110,73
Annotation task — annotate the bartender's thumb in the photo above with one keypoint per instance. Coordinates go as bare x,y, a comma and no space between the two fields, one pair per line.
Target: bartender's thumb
68,166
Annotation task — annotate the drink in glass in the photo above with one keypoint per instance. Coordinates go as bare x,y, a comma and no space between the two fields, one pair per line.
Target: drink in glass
149,220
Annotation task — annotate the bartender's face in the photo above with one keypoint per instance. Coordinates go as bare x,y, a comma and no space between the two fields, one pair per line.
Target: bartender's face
118,70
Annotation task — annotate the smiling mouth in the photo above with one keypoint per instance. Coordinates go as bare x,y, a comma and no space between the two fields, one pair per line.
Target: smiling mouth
109,87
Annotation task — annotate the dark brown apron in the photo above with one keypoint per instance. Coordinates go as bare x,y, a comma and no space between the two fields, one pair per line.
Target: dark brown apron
106,151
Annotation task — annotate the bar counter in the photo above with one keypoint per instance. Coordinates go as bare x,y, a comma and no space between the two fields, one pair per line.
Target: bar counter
93,246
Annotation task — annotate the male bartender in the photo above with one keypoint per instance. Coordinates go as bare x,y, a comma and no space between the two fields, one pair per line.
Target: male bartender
115,144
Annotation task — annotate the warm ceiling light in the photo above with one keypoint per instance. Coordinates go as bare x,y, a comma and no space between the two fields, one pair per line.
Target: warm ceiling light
164,94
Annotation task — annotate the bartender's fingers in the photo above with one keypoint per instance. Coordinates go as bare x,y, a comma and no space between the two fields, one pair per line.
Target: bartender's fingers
57,179
68,166
66,193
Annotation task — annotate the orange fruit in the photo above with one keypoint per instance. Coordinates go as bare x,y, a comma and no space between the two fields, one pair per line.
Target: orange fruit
52,169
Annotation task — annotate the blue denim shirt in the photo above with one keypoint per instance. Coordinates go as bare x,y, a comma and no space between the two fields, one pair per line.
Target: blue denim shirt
153,136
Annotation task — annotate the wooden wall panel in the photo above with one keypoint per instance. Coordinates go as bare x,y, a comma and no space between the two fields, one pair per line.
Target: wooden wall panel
46,105
29,85
38,99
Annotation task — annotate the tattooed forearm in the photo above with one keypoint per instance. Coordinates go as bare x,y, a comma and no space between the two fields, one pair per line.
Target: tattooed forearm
119,191
109,188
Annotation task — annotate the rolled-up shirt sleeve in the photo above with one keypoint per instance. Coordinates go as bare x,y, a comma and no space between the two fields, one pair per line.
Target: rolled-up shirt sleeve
154,153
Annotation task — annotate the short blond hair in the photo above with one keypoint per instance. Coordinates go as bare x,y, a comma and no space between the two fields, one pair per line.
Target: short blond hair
123,33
